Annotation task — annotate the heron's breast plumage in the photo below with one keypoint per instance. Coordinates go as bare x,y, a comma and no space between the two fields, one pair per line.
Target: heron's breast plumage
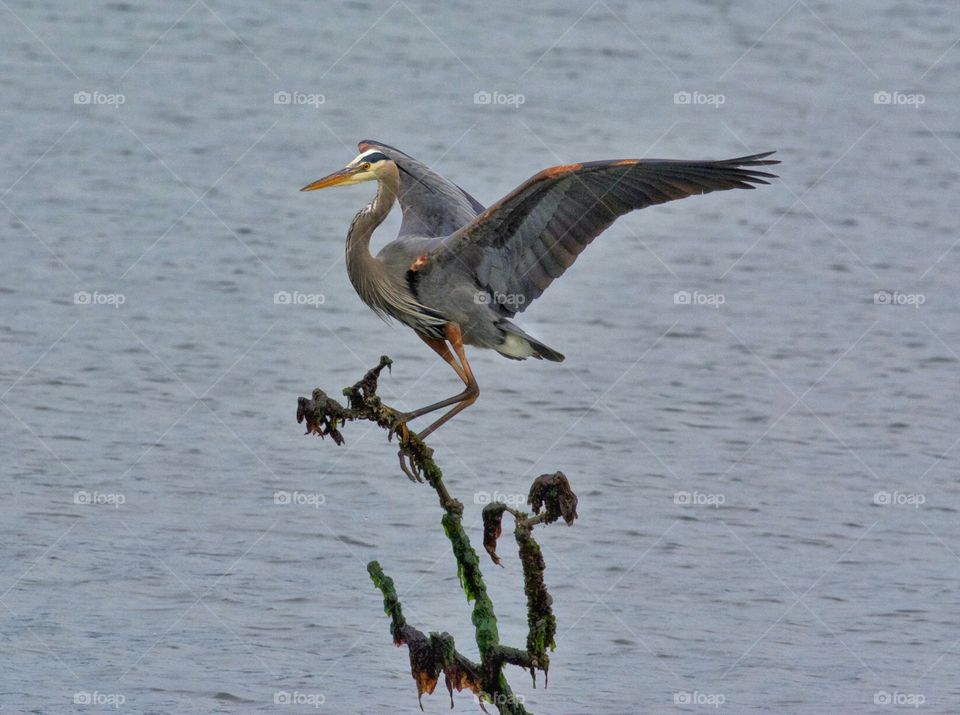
388,285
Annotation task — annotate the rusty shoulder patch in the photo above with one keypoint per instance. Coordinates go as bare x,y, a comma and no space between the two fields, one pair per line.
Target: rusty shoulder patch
419,263
559,170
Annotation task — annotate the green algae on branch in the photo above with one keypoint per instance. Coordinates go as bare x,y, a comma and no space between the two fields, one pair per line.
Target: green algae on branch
429,655
436,653
552,493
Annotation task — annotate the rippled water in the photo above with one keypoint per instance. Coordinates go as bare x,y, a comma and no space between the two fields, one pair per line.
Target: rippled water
787,584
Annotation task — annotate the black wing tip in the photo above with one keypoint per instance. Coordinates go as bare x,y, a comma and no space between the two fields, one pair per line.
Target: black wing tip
757,176
751,180
754,160
752,175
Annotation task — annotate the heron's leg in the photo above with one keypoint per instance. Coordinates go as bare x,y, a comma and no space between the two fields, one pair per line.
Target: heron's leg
440,347
465,398
453,335
461,401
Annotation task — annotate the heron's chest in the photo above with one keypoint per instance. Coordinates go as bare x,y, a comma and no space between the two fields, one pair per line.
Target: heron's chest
394,294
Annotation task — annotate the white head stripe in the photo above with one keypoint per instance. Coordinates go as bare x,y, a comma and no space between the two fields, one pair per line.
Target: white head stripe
361,157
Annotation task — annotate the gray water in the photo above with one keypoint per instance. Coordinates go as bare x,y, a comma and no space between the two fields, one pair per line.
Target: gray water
813,427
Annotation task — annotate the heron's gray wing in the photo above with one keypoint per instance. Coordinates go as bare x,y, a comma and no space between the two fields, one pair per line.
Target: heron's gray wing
519,245
431,205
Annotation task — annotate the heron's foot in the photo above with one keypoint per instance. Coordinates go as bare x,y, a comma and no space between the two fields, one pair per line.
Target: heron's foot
408,467
403,437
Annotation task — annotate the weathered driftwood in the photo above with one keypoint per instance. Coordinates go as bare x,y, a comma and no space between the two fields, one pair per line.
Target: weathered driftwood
436,653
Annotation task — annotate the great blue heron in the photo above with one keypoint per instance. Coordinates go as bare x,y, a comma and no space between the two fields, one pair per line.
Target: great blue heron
458,272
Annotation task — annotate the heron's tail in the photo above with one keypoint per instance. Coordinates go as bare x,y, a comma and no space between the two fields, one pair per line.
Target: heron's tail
517,345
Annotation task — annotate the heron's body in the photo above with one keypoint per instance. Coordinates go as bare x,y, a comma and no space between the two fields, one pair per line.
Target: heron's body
458,272
422,296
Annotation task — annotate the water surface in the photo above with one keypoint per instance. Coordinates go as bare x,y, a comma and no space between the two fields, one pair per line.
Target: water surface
794,402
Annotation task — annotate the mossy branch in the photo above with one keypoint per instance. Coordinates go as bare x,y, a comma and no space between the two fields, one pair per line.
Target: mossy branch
436,653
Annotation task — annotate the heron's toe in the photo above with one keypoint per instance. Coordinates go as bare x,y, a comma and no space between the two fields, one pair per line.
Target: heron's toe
408,468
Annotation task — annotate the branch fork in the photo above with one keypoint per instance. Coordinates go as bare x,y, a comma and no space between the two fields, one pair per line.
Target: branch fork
550,498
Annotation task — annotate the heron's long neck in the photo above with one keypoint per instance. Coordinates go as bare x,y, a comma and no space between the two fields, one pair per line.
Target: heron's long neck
364,270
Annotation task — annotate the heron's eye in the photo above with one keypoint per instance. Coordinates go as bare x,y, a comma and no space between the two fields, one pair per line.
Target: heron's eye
366,165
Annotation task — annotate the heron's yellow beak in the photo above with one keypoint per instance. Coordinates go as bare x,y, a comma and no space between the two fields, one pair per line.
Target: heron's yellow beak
347,175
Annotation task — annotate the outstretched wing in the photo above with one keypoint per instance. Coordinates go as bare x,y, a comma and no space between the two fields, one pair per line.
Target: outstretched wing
518,246
431,205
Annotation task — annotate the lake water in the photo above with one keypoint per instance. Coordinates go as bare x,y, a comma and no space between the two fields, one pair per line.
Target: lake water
767,474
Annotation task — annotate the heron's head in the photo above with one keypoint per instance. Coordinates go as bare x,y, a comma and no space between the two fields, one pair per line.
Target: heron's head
368,166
